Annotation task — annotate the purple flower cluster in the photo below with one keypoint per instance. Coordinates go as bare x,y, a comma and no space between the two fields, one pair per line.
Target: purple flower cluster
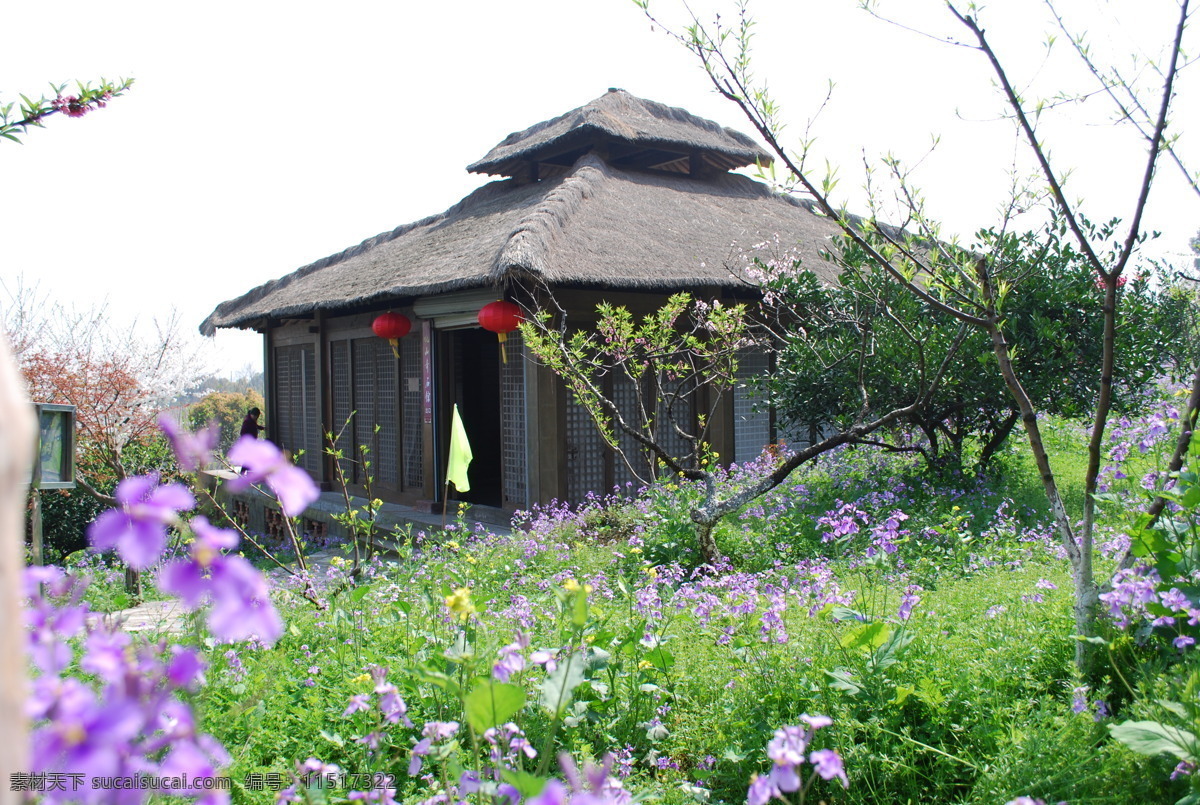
509,659
907,601
843,523
138,529
1080,703
129,722
392,708
432,734
788,751
507,745
595,787
130,719
1132,589
263,462
885,535
1144,434
240,597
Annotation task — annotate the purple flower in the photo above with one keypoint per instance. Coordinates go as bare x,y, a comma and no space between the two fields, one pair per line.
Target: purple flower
829,765
761,791
241,600
379,796
508,662
185,669
138,530
816,722
52,624
544,658
263,461
192,450
553,793
359,701
392,707
787,752
600,787
1132,589
433,732
1183,641
1079,701
787,747
106,655
1174,600
195,760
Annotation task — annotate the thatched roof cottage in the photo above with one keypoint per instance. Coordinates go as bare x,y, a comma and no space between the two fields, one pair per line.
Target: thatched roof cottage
622,199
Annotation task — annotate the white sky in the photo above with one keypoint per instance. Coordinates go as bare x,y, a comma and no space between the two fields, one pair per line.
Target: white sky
263,135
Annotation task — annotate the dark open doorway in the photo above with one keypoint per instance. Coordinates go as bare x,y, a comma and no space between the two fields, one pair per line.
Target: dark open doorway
475,373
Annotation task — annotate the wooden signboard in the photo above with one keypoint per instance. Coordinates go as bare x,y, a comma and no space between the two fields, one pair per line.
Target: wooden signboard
54,461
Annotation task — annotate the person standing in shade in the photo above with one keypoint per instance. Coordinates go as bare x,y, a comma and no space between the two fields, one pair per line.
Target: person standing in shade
250,426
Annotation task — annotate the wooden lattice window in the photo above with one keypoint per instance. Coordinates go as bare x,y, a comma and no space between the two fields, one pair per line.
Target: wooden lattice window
297,421
412,405
362,351
751,417
675,410
339,378
512,422
368,381
625,395
387,412
586,454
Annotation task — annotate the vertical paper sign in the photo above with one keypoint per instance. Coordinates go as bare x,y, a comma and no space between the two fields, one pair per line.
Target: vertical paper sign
427,369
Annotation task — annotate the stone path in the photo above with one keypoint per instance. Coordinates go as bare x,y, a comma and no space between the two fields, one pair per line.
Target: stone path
166,617
170,617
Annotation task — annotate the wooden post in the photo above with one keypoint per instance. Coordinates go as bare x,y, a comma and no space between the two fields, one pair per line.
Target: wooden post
36,556
17,429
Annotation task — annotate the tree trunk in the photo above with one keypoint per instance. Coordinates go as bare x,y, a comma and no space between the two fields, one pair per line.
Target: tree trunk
133,584
994,444
1086,594
706,541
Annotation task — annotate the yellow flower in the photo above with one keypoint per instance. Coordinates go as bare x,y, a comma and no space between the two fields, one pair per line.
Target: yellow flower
652,572
360,679
337,561
204,555
573,586
644,664
635,550
452,545
460,603
471,559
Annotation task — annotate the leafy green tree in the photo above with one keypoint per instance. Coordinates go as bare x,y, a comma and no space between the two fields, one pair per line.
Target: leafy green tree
1055,322
227,408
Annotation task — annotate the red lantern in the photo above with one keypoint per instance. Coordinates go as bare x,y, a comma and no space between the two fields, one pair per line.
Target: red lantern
393,327
501,318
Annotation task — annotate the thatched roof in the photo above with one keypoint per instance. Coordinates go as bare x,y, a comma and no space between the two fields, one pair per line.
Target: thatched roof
597,226
631,131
